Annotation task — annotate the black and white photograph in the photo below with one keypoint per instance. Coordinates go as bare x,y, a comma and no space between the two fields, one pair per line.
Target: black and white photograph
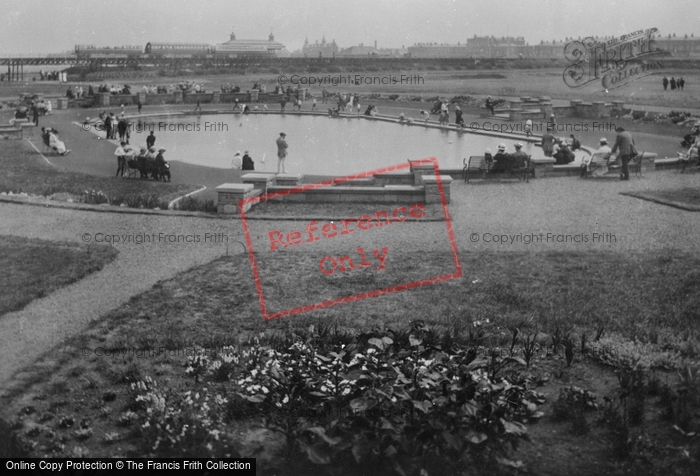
402,238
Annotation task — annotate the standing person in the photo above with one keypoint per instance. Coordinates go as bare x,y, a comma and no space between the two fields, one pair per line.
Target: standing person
552,123
313,105
35,114
489,104
625,144
139,105
151,163
673,84
150,140
198,107
122,125
248,162
547,143
113,121
121,159
528,127
122,109
681,83
141,162
665,83
160,167
283,103
358,107
281,152
108,126
237,161
458,116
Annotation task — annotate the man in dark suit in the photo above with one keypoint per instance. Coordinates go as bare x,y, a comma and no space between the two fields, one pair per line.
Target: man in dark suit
150,140
281,152
624,143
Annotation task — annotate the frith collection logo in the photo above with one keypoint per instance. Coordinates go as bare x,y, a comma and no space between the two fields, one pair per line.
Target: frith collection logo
615,62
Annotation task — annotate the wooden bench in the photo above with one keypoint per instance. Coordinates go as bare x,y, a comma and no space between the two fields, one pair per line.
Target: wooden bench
476,163
686,161
634,165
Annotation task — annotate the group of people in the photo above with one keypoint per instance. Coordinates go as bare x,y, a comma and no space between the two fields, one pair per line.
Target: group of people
244,162
504,161
147,162
49,75
559,148
77,92
114,126
624,149
691,142
111,89
674,83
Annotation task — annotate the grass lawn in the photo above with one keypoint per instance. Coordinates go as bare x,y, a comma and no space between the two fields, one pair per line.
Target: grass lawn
25,171
34,268
686,198
635,306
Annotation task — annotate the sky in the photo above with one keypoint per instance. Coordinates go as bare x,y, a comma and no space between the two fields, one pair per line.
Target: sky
53,26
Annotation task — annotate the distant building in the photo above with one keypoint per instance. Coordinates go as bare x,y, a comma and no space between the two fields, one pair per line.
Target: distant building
680,47
322,50
359,51
239,48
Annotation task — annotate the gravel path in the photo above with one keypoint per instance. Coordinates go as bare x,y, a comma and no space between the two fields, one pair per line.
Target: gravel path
562,206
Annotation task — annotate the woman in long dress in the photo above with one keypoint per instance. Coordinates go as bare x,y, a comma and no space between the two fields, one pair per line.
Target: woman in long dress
237,162
56,144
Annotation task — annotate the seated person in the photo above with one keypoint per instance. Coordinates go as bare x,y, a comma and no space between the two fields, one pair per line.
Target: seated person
518,158
564,155
57,144
501,160
488,159
402,118
575,143
598,161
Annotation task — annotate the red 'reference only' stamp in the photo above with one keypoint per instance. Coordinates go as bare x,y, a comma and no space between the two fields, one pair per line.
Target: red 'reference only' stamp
329,265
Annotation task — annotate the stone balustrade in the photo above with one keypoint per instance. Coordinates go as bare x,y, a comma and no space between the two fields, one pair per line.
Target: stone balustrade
432,188
260,181
288,180
230,195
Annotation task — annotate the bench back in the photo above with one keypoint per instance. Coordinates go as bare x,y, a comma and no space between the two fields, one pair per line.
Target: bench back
475,162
